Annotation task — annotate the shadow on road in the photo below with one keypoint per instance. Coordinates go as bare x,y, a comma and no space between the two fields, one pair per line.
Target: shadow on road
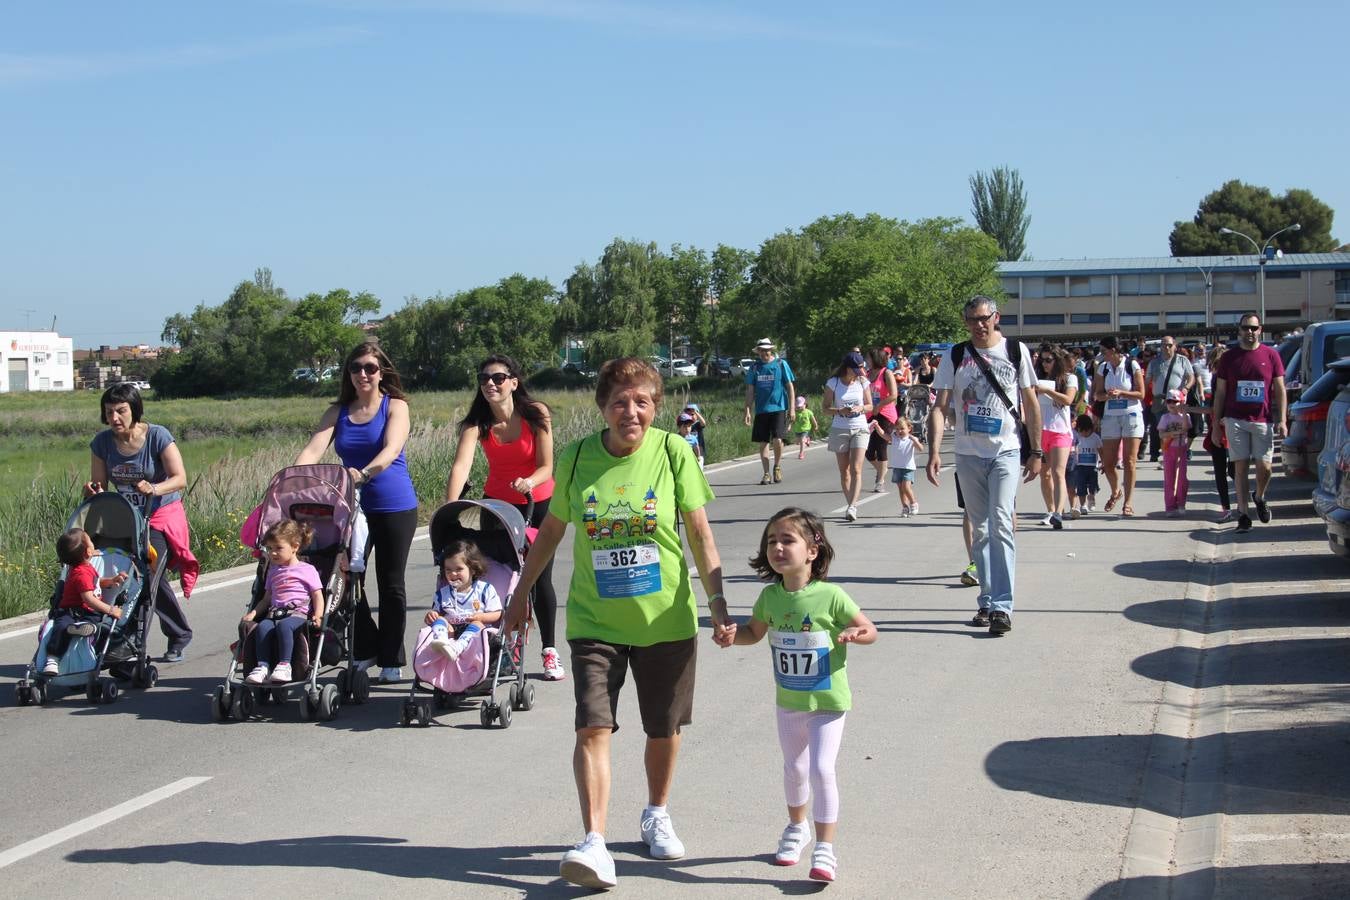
1310,880
1286,771
1245,613
498,867
1276,662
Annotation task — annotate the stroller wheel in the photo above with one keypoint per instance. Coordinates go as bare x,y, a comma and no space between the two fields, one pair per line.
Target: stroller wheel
91,692
147,676
513,696
329,703
486,713
42,693
504,716
107,690
241,706
424,715
526,698
442,700
220,704
360,687
308,708
408,714
23,694
344,685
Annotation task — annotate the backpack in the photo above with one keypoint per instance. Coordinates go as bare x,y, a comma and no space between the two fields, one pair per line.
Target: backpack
1015,357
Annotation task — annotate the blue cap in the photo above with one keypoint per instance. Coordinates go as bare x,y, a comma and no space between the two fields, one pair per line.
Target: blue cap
693,406
853,359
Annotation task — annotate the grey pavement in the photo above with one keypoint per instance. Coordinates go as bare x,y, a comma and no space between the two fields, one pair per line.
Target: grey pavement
1167,718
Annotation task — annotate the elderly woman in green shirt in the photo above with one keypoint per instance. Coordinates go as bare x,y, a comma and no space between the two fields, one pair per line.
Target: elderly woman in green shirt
630,603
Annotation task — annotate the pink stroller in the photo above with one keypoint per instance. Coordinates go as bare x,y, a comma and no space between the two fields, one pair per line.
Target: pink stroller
493,660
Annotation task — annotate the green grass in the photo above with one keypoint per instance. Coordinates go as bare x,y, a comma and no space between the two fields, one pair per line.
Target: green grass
232,448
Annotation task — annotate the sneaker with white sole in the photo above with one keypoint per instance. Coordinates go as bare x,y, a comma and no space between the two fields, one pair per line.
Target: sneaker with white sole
914,509
81,629
970,577
795,838
851,514
879,487
258,675
553,668
391,675
52,666
823,864
658,833
1226,516
282,673
589,864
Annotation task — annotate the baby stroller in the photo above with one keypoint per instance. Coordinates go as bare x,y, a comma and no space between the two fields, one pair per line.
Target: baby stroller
117,528
493,659
918,404
324,497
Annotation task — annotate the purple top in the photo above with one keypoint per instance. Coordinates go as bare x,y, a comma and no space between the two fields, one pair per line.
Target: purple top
291,586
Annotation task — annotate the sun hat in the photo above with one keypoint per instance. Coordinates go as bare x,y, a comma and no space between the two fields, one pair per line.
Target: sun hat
684,419
693,406
1177,396
764,344
801,402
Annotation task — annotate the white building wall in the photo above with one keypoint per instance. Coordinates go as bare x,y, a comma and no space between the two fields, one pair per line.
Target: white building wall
36,361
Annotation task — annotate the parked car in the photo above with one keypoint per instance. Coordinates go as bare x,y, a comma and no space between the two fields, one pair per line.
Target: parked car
1308,422
577,369
681,368
304,374
745,364
661,363
329,373
1331,496
1323,343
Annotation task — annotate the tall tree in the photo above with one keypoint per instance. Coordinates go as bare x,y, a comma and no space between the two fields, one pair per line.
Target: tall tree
1258,213
616,301
998,201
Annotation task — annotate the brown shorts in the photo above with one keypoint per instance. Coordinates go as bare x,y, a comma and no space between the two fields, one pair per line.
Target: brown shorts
664,674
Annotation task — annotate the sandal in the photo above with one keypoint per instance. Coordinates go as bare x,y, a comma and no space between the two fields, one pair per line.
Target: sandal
1111,503
1127,510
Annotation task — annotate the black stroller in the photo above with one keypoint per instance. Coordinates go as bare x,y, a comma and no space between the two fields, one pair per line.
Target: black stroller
324,497
118,529
494,659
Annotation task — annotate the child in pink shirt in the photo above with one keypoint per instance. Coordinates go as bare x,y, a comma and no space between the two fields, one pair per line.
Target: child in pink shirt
1175,430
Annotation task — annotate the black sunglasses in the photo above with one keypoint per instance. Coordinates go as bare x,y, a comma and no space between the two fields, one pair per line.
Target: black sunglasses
495,377
1250,327
357,368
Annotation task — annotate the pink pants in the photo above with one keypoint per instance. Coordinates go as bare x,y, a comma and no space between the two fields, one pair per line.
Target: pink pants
1175,483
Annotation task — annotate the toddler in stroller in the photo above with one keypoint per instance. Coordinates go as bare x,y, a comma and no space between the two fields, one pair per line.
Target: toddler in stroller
464,602
81,597
293,592
918,403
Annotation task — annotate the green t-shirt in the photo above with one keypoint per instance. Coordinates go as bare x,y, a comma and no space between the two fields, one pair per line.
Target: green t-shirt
803,420
808,661
630,582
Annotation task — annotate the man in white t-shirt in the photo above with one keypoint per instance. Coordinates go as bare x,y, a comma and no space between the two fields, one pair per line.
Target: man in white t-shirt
988,455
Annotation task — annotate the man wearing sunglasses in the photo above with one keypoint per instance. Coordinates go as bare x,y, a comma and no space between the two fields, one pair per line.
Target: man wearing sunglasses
991,382
1167,373
1249,396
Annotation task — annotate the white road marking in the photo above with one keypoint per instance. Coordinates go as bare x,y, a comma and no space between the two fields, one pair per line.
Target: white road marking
1254,838
60,835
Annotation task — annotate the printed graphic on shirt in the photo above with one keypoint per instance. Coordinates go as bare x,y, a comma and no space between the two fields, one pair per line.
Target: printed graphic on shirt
125,476
981,407
623,567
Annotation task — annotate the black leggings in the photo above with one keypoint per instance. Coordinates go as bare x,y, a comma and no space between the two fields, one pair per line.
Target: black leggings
1219,456
545,599
391,535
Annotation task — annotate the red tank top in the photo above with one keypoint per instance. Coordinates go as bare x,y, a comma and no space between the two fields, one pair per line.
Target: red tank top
507,462
886,412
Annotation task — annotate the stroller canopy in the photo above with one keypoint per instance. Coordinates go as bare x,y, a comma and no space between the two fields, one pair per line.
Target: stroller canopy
494,525
112,522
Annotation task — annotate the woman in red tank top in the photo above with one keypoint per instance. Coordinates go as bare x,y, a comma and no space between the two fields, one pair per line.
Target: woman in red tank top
516,435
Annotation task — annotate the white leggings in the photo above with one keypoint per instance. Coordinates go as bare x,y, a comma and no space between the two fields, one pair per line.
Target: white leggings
810,742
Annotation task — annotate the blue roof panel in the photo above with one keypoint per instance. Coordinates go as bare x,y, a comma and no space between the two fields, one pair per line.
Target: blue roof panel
1129,265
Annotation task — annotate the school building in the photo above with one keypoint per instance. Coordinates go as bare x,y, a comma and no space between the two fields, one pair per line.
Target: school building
1084,299
35,361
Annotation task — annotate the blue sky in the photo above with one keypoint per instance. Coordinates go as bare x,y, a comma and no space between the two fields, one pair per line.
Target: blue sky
156,153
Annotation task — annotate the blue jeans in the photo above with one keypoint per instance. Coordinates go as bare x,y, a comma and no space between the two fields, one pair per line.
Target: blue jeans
284,630
990,487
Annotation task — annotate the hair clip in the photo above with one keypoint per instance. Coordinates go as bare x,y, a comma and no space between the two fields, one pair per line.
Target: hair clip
819,538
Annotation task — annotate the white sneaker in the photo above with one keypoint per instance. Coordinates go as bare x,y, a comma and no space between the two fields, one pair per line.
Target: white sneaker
446,647
879,487
589,864
257,676
914,509
1092,504
282,673
790,845
823,864
851,514
391,675
553,668
52,666
659,835
904,512
1075,513
1049,518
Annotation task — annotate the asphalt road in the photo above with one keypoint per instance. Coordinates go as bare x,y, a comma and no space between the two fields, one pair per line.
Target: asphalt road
1129,737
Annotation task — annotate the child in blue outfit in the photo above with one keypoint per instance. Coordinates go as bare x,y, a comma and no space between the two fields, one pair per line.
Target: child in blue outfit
684,424
464,602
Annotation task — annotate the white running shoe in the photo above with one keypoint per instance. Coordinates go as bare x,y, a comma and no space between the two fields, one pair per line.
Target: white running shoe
659,835
257,676
446,647
1049,518
851,514
879,487
589,864
553,668
52,666
914,509
282,673
823,864
795,838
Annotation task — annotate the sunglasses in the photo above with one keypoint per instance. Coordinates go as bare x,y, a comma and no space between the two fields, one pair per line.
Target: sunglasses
980,320
496,378
357,368
1250,327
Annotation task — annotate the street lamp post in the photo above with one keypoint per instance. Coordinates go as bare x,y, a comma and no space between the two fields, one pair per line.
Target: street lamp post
1209,290
1261,258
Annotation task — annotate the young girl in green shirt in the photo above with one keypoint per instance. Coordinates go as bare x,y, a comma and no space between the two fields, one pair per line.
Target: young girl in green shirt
810,624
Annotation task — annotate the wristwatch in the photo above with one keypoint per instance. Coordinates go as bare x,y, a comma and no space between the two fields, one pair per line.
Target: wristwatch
1039,454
